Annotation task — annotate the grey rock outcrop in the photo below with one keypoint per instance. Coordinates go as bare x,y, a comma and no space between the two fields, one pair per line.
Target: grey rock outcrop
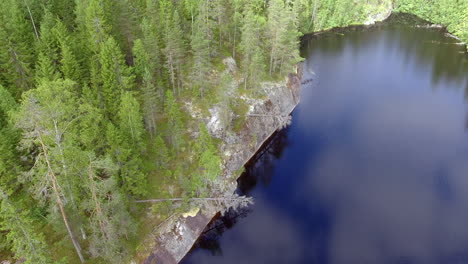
177,235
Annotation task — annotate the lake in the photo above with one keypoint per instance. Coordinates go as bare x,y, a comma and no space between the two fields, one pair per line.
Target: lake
374,167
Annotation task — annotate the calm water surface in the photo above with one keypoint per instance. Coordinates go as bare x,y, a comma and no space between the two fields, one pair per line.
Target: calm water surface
373,169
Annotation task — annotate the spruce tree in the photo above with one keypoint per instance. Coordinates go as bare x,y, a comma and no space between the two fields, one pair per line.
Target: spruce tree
21,232
174,125
131,130
202,47
208,162
253,59
148,85
115,76
16,56
45,69
174,51
9,137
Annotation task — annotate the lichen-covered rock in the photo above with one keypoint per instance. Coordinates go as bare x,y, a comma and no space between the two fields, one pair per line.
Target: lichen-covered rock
230,64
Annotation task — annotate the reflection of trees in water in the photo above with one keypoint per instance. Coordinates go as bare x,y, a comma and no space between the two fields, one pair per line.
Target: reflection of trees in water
209,240
258,169
428,47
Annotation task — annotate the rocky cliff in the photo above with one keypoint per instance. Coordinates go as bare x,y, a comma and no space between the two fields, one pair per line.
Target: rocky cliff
176,236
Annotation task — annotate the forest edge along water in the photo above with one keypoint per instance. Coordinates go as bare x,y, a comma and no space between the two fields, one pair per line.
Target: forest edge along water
258,168
121,119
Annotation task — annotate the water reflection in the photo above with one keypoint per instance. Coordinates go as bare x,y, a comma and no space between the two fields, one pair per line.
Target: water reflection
374,168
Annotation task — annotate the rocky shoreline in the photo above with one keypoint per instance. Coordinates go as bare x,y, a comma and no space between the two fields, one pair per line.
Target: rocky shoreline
177,235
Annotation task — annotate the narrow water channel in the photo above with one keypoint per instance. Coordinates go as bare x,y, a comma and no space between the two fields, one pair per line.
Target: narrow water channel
373,169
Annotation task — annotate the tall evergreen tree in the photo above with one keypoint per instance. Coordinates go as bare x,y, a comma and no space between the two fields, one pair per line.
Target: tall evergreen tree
253,58
149,90
131,130
27,244
45,69
174,51
174,125
110,222
202,47
9,168
115,76
208,162
45,117
96,25
16,56
283,37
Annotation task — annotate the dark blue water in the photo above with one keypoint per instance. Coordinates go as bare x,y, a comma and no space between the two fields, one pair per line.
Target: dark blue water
373,169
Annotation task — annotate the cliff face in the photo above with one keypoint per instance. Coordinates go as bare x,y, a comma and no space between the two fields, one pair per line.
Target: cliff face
177,235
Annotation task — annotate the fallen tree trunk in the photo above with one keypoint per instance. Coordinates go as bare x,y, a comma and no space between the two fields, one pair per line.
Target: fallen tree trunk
243,198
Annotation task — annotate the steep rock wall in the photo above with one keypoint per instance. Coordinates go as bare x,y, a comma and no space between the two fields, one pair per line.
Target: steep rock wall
177,235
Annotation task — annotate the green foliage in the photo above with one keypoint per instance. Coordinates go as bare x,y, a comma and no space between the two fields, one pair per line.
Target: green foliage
131,131
202,47
9,138
174,51
45,69
451,13
174,125
208,163
26,242
130,120
115,76
253,62
110,222
141,59
16,52
101,86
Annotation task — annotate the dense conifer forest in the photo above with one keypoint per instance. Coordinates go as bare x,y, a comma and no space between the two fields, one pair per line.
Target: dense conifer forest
94,99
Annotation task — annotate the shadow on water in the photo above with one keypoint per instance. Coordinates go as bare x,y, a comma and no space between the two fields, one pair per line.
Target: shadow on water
258,171
373,169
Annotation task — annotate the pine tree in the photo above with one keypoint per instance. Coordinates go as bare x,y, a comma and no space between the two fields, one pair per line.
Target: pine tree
235,25
151,42
109,219
64,10
47,117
